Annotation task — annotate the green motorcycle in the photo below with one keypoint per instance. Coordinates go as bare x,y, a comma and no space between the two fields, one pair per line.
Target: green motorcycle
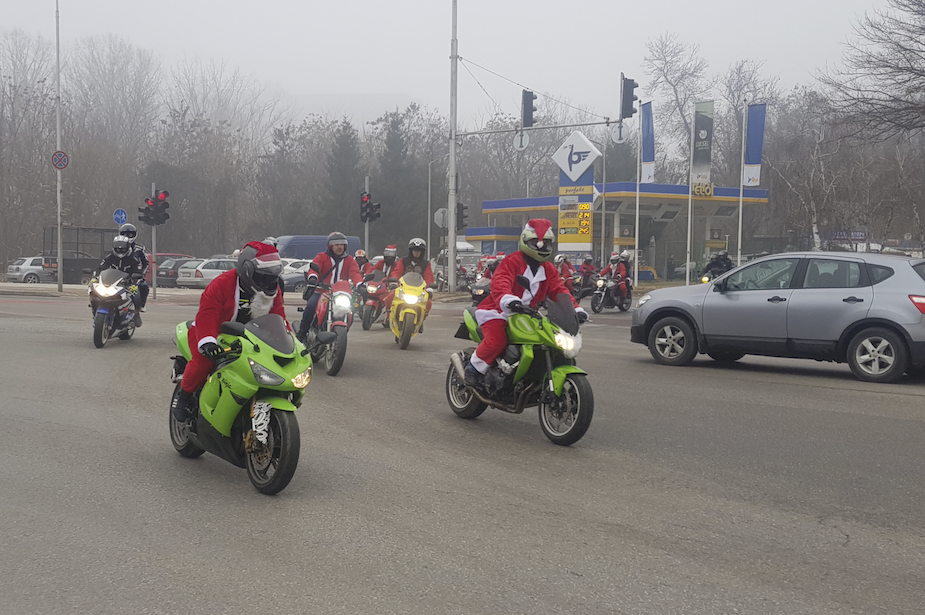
246,409
537,369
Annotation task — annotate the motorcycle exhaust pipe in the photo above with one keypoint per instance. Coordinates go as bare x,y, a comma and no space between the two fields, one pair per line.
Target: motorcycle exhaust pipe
458,364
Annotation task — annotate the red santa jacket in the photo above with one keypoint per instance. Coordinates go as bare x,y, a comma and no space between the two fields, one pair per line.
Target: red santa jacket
385,268
346,269
400,270
366,268
611,270
219,303
546,282
566,270
588,269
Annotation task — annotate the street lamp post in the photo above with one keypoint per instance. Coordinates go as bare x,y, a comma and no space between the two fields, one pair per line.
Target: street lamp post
429,221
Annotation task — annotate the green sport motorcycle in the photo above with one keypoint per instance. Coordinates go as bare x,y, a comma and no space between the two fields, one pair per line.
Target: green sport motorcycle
537,369
245,412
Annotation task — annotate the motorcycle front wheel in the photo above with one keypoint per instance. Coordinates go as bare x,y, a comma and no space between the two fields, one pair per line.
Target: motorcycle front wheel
100,329
368,316
407,331
597,303
565,420
335,352
272,465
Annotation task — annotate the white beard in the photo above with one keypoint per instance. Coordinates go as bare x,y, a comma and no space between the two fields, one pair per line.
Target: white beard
261,304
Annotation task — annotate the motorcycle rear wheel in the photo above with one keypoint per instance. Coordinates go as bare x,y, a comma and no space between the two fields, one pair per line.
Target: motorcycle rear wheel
100,330
566,421
461,399
368,314
597,304
626,302
127,334
407,331
179,433
335,353
271,469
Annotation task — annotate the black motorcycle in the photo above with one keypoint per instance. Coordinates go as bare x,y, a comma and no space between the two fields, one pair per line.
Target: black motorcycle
112,299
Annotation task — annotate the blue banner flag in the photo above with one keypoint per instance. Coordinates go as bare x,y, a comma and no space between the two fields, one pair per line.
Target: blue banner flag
648,145
754,143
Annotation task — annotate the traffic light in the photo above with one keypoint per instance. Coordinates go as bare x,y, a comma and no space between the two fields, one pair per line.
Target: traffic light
462,215
628,97
527,108
160,207
365,203
374,211
146,214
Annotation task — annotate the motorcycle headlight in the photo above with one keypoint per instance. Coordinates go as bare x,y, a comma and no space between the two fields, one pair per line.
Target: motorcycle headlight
570,344
600,283
643,300
264,376
342,300
301,381
371,288
480,291
412,299
105,291
705,279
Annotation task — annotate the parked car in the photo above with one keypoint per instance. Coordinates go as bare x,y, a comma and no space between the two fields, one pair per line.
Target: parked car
167,270
155,263
29,269
294,281
205,272
866,310
291,265
187,271
309,246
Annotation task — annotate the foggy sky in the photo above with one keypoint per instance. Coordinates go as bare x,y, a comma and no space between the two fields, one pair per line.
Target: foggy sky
363,57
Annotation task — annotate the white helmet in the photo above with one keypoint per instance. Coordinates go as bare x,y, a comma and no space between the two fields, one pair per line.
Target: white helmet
625,255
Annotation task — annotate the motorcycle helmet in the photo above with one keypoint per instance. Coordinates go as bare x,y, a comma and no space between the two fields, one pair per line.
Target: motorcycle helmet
560,258
722,254
129,230
589,260
121,247
417,244
258,268
615,258
272,241
390,251
625,255
537,239
337,239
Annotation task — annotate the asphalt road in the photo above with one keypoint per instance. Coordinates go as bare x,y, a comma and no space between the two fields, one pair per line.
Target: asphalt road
773,486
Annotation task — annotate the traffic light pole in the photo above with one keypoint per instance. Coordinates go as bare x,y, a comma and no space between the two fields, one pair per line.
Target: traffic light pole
366,224
154,251
451,170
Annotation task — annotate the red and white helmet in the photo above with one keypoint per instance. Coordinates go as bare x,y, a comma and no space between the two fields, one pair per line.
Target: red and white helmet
259,267
390,251
360,254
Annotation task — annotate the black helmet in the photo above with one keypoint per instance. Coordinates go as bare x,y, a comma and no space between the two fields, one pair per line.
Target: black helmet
121,246
337,239
723,254
129,230
417,244
589,259
258,268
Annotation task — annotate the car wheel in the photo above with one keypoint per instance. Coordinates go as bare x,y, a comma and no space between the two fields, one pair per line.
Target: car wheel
878,355
672,341
31,278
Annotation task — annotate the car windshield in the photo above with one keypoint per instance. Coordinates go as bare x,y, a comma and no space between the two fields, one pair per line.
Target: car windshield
271,328
191,264
562,312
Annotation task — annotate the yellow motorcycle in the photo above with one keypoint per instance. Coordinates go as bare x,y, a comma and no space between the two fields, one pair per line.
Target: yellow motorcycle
408,308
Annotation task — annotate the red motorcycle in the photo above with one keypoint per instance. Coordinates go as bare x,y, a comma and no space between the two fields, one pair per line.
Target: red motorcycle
327,339
375,290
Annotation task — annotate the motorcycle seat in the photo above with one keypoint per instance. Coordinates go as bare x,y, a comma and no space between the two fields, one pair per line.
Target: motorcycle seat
478,329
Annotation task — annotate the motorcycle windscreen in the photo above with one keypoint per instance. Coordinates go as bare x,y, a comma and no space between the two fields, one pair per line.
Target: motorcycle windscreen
111,276
271,329
413,278
377,276
562,312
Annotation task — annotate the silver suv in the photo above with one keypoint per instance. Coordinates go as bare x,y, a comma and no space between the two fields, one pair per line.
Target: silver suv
862,309
29,269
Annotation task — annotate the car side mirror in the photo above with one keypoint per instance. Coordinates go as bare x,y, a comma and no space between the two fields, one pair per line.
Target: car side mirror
233,328
720,286
523,281
314,267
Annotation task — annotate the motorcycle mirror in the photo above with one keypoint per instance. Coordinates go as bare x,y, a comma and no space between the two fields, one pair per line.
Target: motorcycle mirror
432,286
523,281
233,328
314,267
367,277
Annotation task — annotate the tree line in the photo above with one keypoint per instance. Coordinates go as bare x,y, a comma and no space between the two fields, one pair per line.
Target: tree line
843,153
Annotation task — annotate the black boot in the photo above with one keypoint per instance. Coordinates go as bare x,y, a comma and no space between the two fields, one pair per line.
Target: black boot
180,406
473,376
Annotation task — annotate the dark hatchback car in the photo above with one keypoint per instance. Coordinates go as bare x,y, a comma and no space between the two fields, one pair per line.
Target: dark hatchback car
866,310
167,271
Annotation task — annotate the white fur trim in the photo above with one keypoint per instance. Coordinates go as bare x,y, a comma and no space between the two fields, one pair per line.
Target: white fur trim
507,300
483,316
206,340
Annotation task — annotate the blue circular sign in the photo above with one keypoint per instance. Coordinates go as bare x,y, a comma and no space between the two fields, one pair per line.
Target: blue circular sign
119,216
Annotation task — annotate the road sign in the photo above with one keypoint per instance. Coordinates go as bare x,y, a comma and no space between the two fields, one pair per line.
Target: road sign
576,156
59,160
521,141
119,216
442,217
618,133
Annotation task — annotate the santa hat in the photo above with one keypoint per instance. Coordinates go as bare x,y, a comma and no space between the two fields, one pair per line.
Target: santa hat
500,255
267,256
540,226
391,250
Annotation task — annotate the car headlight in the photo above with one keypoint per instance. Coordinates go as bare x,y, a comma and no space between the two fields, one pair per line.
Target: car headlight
412,299
643,300
570,344
105,291
600,283
342,300
264,376
301,381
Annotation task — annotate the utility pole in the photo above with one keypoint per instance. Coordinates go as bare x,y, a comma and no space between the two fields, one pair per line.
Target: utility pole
366,225
451,171
154,250
60,189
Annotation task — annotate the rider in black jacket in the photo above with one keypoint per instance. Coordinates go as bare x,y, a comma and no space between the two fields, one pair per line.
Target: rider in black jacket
719,264
124,260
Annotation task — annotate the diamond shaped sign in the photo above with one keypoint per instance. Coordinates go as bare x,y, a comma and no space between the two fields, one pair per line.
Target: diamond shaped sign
576,155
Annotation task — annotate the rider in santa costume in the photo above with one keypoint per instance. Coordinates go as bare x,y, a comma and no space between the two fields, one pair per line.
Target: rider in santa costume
507,296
